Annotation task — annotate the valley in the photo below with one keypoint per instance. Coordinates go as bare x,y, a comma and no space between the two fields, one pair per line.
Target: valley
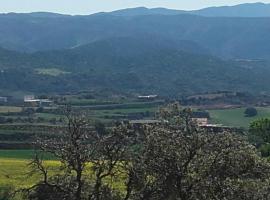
174,104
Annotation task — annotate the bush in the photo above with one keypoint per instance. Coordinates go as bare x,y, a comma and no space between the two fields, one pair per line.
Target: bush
251,112
265,150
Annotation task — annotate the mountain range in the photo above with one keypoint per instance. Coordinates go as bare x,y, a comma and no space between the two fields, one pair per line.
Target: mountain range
242,10
225,37
139,50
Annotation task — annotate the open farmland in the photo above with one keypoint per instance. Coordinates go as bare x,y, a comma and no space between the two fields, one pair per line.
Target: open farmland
236,118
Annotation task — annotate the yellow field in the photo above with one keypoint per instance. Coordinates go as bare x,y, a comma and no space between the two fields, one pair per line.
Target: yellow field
15,172
6,109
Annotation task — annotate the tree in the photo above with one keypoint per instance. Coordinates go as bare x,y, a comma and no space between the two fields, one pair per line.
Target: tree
76,147
250,112
74,151
174,160
178,160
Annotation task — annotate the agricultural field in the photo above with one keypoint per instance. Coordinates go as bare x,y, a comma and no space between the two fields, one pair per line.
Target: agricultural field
10,109
16,174
23,154
235,117
15,170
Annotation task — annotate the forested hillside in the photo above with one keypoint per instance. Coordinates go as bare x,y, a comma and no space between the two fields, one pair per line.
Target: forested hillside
130,65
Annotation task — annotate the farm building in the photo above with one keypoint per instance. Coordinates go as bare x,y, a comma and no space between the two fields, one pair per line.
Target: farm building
30,100
145,121
200,121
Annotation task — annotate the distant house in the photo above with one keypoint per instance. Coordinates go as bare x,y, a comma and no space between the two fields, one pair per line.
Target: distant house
148,97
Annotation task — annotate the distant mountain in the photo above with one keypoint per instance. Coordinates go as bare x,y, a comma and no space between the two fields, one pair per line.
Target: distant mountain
129,65
241,38
34,14
241,10
131,12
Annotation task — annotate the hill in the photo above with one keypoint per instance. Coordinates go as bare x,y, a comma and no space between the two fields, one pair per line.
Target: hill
133,66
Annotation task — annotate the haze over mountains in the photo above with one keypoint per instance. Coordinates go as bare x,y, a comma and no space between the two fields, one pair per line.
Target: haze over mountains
138,50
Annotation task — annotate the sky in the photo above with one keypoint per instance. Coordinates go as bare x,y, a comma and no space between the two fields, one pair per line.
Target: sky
93,6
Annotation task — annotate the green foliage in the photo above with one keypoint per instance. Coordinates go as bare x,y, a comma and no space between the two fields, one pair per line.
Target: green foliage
259,134
265,150
261,129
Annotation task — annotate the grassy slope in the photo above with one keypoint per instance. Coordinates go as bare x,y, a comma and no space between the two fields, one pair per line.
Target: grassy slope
236,117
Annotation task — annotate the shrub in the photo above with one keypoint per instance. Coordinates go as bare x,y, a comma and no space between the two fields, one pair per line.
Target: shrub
251,112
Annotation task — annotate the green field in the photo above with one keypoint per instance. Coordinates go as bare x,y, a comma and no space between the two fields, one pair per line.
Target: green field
236,117
21,154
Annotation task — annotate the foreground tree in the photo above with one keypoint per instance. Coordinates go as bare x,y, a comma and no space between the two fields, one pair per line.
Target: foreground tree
172,160
88,160
178,160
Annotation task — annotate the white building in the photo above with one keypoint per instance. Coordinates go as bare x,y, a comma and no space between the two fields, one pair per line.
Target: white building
30,99
3,99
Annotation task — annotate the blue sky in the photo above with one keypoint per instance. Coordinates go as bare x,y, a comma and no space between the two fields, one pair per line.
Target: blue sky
93,6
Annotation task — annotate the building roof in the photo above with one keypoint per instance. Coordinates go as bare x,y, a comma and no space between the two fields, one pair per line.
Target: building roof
145,121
